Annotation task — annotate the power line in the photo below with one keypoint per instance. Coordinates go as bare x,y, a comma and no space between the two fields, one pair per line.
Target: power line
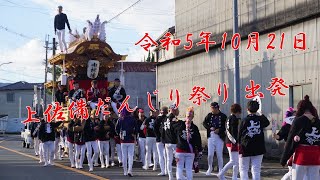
26,7
28,37
124,11
112,27
16,33
21,5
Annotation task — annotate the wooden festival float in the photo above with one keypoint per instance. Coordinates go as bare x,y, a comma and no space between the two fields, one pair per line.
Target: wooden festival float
88,58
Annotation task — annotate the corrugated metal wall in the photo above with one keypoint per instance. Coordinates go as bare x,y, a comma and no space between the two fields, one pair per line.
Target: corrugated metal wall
208,69
194,16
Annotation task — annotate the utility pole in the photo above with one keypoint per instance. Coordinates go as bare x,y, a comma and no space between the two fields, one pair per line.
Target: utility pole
45,71
53,69
236,55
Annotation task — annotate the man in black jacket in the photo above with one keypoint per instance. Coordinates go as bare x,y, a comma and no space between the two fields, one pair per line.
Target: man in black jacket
232,142
71,143
47,137
90,138
151,148
188,144
61,94
160,139
103,136
170,139
76,93
141,136
59,28
214,122
117,94
35,135
251,141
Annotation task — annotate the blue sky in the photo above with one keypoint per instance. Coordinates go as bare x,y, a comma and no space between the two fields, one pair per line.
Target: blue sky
34,19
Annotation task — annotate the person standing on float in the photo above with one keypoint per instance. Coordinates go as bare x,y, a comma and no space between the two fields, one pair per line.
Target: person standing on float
60,21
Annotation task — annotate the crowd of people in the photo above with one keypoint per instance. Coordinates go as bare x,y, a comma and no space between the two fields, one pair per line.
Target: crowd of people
162,139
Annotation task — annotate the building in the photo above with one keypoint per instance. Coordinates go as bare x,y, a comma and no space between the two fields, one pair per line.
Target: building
139,78
15,97
160,53
196,67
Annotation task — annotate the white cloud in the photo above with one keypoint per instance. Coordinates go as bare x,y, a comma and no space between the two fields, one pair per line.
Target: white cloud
27,62
146,16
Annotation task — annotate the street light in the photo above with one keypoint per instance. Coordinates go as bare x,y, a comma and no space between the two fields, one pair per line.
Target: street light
6,63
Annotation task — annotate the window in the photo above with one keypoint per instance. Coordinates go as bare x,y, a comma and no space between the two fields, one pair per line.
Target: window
298,92
10,97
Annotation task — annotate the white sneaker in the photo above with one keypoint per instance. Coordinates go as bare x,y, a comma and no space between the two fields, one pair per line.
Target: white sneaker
208,173
154,168
96,165
145,167
45,164
113,164
221,176
103,166
80,167
107,166
90,169
72,166
161,174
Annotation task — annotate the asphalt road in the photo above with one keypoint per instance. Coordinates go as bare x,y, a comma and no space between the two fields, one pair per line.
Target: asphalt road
20,163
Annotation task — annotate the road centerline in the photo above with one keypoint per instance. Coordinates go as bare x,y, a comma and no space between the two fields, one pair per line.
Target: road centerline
56,164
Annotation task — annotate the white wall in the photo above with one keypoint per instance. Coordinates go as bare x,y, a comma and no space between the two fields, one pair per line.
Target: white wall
169,54
209,69
12,108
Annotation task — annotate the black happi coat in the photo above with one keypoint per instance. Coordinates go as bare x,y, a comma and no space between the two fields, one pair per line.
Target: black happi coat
149,123
47,131
101,132
157,128
217,121
167,130
251,135
89,132
232,126
308,133
179,129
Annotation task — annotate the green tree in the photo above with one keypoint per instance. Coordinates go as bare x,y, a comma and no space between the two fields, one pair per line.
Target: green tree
152,59
149,57
50,71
